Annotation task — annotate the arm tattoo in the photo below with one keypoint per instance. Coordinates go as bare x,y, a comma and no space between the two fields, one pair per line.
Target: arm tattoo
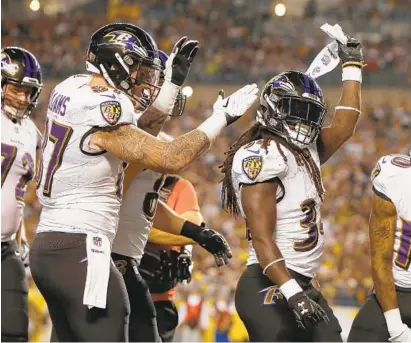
152,121
382,235
134,146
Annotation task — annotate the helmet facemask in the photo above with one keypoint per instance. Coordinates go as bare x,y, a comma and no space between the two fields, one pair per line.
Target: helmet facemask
138,78
14,107
297,119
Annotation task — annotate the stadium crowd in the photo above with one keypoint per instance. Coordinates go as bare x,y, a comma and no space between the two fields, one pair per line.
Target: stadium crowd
238,41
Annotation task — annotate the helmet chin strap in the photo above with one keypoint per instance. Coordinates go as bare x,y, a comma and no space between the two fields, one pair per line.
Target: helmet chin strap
12,112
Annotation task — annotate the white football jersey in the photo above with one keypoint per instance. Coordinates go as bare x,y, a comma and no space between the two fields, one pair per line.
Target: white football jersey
81,188
391,179
134,227
298,233
19,142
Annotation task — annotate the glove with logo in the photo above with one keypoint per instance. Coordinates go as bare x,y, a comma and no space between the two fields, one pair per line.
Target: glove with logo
179,63
177,68
210,240
351,54
306,311
235,105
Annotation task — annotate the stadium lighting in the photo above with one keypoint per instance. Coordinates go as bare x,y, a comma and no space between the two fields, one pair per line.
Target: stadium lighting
35,5
279,9
187,91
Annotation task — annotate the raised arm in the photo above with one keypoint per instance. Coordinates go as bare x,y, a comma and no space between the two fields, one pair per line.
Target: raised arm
133,145
348,109
382,235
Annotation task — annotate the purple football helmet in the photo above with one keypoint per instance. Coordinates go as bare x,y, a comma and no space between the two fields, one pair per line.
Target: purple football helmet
19,68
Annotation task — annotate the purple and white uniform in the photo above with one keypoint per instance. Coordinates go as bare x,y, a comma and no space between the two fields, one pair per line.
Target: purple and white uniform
18,157
391,179
81,188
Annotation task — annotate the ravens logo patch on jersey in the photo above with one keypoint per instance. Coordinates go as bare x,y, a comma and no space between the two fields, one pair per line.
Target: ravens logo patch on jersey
111,111
252,166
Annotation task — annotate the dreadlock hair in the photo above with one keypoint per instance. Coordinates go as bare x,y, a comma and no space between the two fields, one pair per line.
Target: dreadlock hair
259,132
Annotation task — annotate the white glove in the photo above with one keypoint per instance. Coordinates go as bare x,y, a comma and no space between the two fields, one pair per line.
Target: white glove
403,336
227,110
235,105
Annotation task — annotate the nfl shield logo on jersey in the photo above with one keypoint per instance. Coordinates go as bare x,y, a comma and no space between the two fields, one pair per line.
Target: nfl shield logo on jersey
97,241
111,111
252,166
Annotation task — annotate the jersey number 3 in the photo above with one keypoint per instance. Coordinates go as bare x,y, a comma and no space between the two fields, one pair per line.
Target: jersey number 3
59,134
309,222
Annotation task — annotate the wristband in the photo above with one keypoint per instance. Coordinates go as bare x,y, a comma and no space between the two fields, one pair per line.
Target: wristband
270,264
351,73
347,108
290,288
167,97
394,321
213,126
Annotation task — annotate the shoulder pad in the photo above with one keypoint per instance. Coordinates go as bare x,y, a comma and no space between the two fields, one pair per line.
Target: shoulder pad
253,163
385,170
113,109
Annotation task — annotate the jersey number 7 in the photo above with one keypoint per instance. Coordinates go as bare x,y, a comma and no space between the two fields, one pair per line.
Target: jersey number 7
59,134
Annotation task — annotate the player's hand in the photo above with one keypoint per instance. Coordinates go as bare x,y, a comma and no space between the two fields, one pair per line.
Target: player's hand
215,244
351,54
179,63
404,336
24,253
306,311
235,105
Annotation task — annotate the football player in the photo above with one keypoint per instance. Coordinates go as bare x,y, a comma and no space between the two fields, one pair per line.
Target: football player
90,135
21,85
273,178
386,315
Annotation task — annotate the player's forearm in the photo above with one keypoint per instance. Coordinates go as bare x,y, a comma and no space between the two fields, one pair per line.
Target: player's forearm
152,121
21,232
167,220
132,145
347,111
384,283
268,252
160,237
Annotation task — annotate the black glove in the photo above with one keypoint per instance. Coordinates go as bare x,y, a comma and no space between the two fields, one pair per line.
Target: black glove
179,63
210,240
306,311
24,253
351,54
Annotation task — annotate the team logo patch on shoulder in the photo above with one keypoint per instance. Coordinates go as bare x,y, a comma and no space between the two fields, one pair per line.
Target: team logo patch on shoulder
111,111
252,166
376,171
